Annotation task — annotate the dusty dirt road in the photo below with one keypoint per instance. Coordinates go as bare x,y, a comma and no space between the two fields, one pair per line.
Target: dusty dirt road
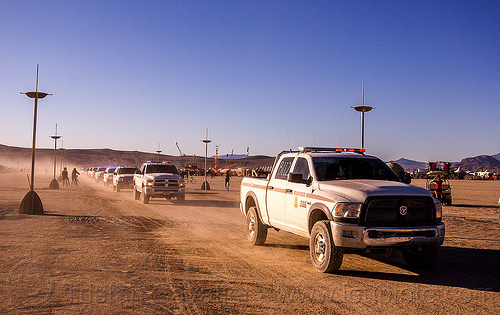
98,251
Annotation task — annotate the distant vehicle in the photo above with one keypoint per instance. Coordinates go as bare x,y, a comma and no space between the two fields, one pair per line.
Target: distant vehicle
158,180
99,173
91,171
107,177
123,177
437,181
343,200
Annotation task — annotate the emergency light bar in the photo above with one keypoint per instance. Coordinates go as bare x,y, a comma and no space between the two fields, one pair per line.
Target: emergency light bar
316,149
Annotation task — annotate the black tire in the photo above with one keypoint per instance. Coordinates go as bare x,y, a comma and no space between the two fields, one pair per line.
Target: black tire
118,188
326,257
420,257
144,197
181,198
256,230
137,194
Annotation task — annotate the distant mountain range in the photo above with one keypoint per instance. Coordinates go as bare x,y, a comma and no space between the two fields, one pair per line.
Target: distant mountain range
21,157
474,164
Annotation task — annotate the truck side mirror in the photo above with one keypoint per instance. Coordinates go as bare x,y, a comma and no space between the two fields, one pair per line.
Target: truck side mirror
297,178
407,179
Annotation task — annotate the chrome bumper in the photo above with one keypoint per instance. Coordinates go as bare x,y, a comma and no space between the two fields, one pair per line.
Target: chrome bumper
360,237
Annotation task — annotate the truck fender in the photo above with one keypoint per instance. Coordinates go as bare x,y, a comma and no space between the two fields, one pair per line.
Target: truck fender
251,201
317,212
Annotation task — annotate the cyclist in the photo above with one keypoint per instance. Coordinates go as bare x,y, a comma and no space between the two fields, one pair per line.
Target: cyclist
74,177
65,177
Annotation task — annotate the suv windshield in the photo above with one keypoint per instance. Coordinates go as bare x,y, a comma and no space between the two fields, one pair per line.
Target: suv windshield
335,168
163,168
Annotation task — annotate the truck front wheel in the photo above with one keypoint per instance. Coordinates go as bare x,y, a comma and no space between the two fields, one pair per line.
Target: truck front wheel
257,231
137,194
181,197
144,197
326,257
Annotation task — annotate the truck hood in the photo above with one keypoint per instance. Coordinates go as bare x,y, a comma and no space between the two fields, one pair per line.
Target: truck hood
153,176
359,190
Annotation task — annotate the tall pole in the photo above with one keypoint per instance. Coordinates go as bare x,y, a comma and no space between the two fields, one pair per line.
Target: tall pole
34,134
363,116
363,109
54,184
158,151
31,203
205,185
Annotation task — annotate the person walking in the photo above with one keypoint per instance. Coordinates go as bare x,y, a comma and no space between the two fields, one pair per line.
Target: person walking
439,188
226,181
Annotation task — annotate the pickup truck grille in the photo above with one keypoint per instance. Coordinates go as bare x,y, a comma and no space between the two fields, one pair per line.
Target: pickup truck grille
168,183
388,211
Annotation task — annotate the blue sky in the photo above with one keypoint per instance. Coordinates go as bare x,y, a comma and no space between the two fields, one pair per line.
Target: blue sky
268,75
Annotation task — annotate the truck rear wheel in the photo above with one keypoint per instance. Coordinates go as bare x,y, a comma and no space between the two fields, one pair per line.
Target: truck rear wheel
257,231
421,257
326,257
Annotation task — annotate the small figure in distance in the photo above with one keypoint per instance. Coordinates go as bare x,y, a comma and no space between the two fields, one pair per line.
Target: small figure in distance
74,177
439,188
65,177
226,181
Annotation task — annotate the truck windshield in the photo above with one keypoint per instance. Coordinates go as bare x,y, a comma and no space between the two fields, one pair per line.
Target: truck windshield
337,168
164,168
127,170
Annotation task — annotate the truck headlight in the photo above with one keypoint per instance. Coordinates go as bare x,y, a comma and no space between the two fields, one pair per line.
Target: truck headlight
347,210
182,185
439,210
149,183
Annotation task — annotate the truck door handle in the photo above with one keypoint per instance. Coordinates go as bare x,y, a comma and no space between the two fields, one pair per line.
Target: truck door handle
288,191
271,187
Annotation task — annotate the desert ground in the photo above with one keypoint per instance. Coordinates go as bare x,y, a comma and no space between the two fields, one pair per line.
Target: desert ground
97,251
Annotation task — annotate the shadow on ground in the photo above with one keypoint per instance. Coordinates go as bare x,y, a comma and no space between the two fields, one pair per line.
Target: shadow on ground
456,267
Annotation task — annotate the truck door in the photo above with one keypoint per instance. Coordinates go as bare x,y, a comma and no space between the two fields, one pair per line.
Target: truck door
295,197
275,201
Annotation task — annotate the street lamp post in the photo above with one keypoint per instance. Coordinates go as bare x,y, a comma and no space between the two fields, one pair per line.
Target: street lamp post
363,109
205,185
54,184
158,151
62,155
31,203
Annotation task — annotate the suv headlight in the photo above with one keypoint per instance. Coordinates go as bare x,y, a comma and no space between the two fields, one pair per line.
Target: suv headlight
439,210
149,183
347,210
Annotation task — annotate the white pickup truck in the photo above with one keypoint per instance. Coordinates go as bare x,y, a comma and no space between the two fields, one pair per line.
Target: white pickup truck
343,200
158,180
